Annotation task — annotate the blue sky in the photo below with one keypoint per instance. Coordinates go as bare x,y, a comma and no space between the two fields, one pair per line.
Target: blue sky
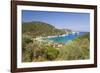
61,20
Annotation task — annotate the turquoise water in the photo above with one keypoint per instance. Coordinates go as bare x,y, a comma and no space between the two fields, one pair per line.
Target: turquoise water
66,38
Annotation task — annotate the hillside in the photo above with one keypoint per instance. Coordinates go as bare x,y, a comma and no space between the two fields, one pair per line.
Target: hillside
76,49
37,28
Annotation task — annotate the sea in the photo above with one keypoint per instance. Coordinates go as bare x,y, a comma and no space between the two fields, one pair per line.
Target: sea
66,37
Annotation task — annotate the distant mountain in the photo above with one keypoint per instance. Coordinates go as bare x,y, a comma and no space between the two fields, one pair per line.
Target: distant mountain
37,28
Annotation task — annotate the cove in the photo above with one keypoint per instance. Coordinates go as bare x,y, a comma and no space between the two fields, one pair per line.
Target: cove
66,37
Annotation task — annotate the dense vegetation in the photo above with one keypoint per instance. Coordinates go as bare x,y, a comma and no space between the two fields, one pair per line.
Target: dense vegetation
75,49
34,50
40,29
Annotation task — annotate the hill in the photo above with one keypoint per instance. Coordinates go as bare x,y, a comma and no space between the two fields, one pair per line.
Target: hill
37,28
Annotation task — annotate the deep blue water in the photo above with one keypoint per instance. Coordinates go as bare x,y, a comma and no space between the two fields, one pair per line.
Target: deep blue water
66,38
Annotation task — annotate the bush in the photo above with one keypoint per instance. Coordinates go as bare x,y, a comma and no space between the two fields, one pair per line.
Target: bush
51,53
27,56
25,41
76,49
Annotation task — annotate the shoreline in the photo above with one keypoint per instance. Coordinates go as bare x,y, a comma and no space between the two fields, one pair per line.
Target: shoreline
73,33
63,35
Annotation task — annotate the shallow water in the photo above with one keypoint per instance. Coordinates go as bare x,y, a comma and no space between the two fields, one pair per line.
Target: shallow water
66,38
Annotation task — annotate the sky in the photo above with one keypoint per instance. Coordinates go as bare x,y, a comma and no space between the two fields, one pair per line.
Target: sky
61,20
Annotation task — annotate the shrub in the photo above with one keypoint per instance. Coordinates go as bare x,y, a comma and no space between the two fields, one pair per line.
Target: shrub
27,56
51,53
25,41
76,49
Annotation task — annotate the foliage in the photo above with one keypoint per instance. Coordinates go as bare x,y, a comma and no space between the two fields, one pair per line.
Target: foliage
51,53
25,40
87,35
75,49
37,51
